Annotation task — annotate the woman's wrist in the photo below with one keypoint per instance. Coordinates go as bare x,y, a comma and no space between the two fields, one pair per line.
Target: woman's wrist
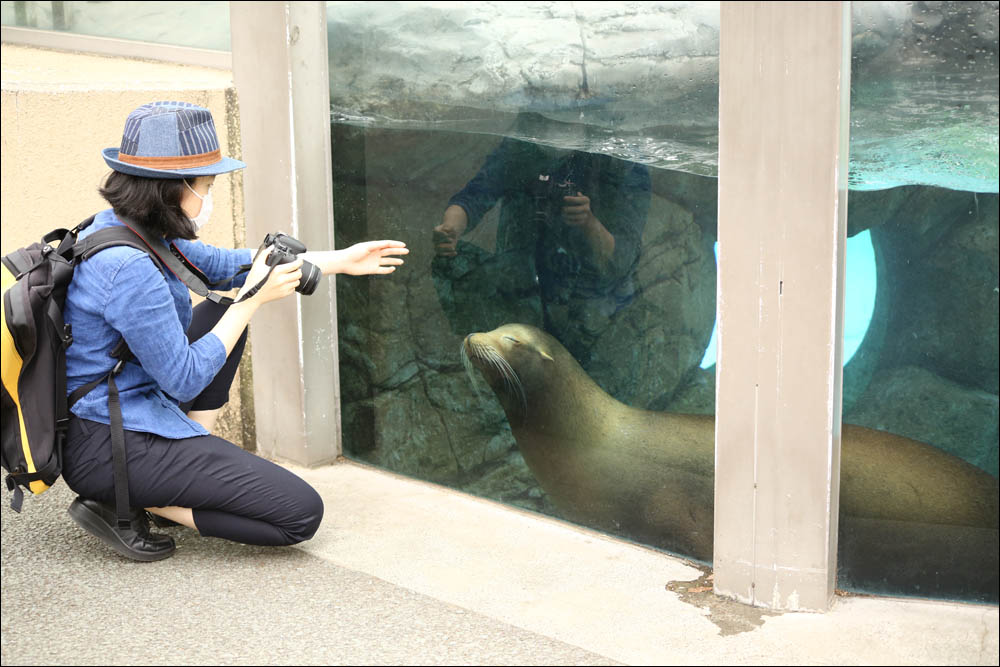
247,286
230,326
248,306
327,261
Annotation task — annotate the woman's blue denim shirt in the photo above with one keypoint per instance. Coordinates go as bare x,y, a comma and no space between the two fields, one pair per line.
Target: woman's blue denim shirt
119,292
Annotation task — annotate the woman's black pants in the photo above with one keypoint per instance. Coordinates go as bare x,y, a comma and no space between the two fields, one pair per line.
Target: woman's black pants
234,494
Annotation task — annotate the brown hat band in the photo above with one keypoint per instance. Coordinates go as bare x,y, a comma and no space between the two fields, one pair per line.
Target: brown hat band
173,162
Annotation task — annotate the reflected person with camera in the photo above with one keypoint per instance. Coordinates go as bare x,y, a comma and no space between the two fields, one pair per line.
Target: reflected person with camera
568,238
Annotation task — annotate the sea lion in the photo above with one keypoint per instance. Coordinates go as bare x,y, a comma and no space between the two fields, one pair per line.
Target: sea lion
649,476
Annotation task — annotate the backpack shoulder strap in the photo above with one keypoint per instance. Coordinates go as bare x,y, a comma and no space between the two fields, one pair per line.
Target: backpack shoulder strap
136,237
66,238
111,237
118,236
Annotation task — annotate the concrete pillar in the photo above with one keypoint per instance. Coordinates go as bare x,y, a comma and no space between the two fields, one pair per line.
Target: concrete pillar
783,136
280,72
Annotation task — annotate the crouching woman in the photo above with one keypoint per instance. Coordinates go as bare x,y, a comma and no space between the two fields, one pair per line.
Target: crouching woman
185,359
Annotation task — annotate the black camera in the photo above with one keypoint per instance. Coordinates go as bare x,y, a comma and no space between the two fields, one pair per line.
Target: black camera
287,249
548,194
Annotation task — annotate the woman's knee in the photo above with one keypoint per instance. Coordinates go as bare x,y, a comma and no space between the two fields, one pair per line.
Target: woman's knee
308,517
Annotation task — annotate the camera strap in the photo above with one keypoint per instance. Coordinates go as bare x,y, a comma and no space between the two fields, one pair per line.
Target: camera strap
256,288
176,252
180,267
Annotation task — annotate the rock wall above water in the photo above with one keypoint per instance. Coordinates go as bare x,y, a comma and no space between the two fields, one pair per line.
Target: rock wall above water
411,60
403,60
639,81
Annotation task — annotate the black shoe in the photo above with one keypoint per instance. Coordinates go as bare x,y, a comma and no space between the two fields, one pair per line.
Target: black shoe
135,542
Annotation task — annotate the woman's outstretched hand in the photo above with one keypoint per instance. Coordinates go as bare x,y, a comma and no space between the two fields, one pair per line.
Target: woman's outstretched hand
371,258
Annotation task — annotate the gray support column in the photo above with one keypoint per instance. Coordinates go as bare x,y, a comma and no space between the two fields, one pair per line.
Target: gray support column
280,72
783,130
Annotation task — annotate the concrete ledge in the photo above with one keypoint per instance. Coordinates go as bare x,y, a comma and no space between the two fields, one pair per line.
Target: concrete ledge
402,572
607,596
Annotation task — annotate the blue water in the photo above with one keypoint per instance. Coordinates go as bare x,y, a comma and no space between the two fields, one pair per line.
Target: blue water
859,297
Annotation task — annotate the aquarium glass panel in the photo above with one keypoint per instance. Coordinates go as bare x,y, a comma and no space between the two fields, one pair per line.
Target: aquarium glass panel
551,165
203,25
920,393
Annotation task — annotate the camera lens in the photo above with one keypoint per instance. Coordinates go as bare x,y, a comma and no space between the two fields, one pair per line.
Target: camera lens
310,279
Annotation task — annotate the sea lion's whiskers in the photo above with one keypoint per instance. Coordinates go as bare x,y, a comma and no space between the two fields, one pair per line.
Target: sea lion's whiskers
470,370
511,381
466,362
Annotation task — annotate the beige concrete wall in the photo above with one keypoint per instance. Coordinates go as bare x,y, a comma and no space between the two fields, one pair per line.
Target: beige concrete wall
59,110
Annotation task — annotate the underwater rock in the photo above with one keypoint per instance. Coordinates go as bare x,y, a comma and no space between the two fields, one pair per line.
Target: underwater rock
696,194
916,403
870,208
654,342
478,287
937,255
696,394
938,264
510,480
434,444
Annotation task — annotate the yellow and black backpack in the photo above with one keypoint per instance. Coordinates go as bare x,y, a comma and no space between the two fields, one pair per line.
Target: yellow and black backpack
34,341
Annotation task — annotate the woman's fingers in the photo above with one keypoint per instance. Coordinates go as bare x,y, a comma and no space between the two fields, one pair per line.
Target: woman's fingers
390,247
287,277
284,269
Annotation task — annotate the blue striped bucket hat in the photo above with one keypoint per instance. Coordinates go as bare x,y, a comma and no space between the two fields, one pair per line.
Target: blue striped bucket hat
170,140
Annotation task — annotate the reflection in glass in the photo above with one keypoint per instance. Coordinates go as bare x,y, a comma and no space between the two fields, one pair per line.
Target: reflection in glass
568,241
203,25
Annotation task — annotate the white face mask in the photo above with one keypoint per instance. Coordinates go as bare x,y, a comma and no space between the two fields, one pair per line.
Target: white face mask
206,208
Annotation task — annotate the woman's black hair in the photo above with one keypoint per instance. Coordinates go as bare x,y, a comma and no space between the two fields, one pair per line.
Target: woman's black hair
154,203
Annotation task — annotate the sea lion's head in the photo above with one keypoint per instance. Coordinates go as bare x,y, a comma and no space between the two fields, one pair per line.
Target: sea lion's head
516,360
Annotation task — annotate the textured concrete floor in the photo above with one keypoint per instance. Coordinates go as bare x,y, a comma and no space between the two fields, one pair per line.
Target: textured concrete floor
403,572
